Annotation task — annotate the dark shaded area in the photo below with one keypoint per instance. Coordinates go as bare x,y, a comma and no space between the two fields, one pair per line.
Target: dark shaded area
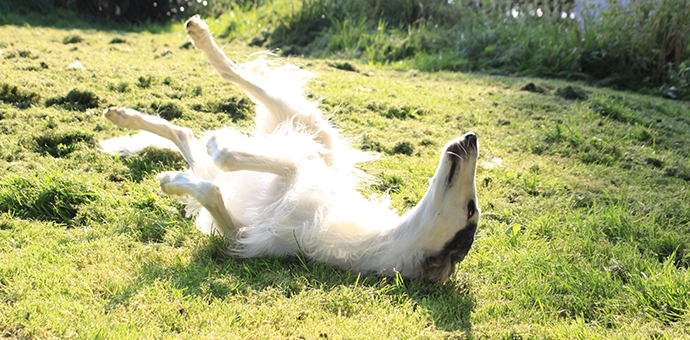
532,87
138,11
214,275
75,100
638,47
167,111
20,98
370,144
438,267
238,108
572,93
153,161
345,66
72,39
403,148
118,41
61,143
389,184
51,198
396,111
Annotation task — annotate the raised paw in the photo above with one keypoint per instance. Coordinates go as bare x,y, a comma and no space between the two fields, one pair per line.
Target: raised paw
121,116
176,182
199,32
187,184
219,147
212,145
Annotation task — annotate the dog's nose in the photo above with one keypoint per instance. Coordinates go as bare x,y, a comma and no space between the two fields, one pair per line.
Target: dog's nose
469,139
465,144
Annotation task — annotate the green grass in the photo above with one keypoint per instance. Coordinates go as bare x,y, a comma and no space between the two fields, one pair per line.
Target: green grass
642,46
584,232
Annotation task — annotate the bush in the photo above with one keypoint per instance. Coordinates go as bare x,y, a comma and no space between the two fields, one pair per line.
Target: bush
128,10
641,45
644,44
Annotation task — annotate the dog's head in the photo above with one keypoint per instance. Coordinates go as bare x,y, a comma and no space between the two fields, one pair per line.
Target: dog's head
451,209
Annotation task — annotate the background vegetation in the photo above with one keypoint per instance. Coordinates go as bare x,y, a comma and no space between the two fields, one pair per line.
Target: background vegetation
641,45
584,232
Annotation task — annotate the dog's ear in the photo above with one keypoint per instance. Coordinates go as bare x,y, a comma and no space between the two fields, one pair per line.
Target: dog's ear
439,267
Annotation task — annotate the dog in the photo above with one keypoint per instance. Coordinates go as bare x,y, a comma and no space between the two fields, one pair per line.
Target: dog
290,187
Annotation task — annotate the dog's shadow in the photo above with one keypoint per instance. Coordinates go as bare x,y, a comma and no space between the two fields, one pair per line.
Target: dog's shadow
212,274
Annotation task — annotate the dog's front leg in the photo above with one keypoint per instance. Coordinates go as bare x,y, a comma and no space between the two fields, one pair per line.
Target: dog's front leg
206,193
132,119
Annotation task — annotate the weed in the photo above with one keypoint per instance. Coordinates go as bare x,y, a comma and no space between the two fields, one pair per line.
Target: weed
390,184
20,98
167,111
403,148
369,144
152,161
345,66
75,100
571,92
26,54
52,197
118,40
238,108
121,87
72,39
609,108
531,87
62,143
145,82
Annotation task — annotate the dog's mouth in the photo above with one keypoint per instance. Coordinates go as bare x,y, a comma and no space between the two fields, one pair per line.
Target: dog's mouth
463,149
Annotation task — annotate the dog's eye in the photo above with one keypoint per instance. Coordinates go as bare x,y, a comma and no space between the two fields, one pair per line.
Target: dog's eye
471,209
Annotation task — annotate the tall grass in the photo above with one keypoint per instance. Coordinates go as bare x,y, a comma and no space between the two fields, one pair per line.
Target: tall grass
642,45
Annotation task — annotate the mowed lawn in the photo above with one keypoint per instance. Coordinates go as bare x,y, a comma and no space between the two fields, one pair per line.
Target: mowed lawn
585,231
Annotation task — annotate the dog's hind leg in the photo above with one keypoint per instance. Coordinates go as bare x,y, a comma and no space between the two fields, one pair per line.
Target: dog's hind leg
182,137
206,193
240,153
280,104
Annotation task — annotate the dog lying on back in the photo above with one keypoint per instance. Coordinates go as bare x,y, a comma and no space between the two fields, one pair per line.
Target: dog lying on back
290,186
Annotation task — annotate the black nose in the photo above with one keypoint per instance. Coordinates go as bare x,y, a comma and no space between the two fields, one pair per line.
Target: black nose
464,145
470,139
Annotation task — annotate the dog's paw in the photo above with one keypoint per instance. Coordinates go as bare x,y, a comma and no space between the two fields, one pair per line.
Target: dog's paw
199,32
121,116
223,156
173,182
213,147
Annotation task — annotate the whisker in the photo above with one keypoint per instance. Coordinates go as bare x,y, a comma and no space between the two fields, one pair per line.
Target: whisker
454,154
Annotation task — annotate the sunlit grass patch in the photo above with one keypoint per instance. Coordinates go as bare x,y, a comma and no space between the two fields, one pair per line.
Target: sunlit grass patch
55,197
583,231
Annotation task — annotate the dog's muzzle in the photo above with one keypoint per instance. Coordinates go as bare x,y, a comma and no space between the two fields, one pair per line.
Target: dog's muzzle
465,145
463,149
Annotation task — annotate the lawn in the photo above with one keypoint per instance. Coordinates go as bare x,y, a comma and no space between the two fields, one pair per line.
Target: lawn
585,231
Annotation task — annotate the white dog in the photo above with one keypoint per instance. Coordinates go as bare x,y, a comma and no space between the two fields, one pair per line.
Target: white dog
290,186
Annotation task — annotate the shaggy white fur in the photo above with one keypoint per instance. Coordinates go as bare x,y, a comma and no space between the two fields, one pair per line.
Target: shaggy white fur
290,186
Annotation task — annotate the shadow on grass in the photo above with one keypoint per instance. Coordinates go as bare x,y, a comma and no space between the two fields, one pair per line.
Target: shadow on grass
153,161
66,19
213,275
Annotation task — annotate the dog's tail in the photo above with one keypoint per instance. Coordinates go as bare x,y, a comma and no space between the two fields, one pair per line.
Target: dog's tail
129,145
